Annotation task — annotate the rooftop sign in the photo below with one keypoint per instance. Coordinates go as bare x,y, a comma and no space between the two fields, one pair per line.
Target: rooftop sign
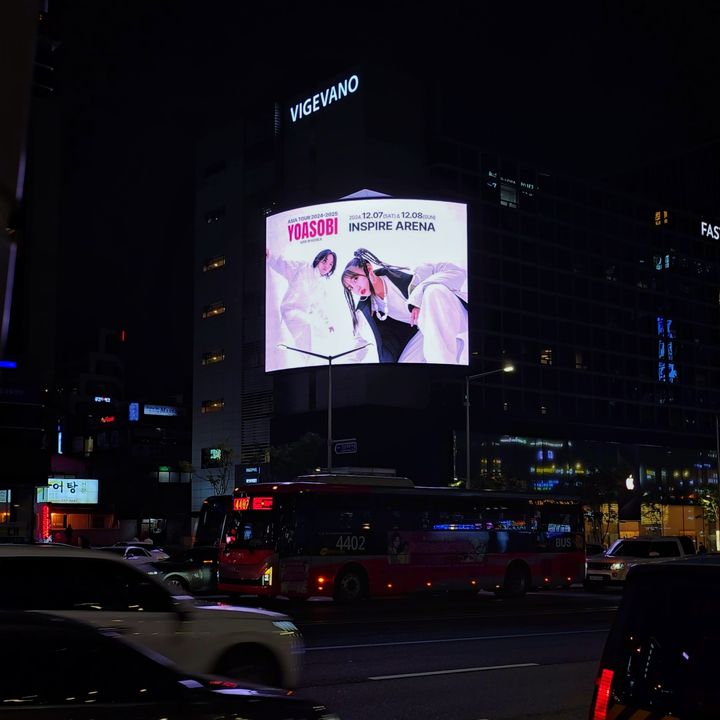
324,98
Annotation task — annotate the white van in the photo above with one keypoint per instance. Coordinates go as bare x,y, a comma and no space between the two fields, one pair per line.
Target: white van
106,591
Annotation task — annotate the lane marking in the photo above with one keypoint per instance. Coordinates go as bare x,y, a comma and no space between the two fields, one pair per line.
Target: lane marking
450,640
453,672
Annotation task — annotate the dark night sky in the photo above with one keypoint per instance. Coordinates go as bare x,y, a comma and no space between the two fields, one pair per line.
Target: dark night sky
586,88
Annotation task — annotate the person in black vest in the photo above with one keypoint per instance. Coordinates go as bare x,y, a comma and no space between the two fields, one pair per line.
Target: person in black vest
415,317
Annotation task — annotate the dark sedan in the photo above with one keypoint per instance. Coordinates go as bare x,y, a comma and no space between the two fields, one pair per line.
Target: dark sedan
191,571
64,669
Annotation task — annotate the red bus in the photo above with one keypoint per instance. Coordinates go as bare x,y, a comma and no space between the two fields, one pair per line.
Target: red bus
210,519
348,537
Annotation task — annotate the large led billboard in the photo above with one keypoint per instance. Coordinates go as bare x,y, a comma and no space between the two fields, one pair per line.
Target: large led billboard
380,280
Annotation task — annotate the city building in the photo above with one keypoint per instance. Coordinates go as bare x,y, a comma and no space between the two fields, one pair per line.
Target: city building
606,304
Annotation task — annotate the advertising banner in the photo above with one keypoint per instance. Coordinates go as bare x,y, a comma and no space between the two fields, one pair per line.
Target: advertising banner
380,280
72,491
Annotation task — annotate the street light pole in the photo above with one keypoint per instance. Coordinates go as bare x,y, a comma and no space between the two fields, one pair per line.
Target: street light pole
468,378
329,359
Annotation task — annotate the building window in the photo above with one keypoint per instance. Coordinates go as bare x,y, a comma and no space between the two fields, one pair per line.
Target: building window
212,357
579,364
213,310
546,356
214,263
209,406
661,217
508,195
213,216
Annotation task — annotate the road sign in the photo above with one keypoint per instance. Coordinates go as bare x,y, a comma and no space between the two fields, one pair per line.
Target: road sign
346,447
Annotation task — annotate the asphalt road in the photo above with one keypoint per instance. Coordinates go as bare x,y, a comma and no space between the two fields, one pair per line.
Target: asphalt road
456,659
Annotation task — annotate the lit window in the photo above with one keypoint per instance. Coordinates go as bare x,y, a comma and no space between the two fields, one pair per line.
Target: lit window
508,195
661,217
546,356
212,357
213,310
543,410
209,406
214,263
579,364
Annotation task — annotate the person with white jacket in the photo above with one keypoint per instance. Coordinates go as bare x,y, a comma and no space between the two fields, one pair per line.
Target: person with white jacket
415,317
302,306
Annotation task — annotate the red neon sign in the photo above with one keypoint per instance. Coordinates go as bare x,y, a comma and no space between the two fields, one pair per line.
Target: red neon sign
107,419
45,521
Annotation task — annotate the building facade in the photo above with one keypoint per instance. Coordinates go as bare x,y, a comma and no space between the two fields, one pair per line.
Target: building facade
606,305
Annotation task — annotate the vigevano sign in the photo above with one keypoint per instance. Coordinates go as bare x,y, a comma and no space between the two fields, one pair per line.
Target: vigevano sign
326,97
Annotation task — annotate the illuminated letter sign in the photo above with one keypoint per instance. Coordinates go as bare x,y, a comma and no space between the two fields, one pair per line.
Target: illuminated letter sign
160,410
711,231
324,98
262,503
72,491
241,503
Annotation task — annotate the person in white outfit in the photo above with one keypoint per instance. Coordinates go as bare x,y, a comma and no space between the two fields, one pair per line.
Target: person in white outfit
418,317
302,307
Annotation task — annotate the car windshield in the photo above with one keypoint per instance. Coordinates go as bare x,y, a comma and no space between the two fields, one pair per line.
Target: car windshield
644,549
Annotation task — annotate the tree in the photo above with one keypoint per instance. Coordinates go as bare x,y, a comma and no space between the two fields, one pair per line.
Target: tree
296,458
221,474
599,499
709,500
651,512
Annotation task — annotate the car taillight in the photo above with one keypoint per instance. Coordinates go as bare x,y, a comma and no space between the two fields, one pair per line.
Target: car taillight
602,696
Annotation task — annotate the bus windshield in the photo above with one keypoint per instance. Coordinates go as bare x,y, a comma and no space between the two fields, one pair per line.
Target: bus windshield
250,529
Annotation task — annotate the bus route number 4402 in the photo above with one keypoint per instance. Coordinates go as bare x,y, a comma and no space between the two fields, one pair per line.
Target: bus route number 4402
351,542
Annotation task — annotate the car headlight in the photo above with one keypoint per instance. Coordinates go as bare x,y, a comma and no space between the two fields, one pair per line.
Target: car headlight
617,566
286,627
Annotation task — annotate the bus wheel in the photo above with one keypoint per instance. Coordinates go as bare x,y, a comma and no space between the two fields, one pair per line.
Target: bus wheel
516,581
350,585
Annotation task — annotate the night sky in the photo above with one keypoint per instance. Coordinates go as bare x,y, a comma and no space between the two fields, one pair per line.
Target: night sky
584,88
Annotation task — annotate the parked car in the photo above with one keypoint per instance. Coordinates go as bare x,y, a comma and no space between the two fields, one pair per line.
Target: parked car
660,657
611,568
136,553
194,570
66,669
249,644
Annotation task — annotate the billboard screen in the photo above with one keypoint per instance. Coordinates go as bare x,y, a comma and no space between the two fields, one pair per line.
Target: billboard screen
380,280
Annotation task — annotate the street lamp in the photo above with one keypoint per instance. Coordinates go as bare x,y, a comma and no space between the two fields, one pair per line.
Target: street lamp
329,359
468,379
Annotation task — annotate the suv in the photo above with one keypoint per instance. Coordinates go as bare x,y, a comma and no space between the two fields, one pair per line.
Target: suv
247,644
660,657
611,567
